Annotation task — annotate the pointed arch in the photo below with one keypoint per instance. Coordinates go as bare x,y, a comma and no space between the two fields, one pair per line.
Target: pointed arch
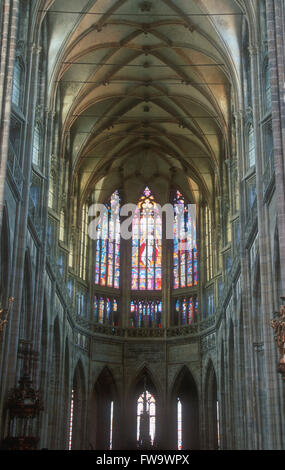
107,252
211,408
27,299
184,243
185,388
67,403
146,245
143,377
54,384
79,390
104,412
231,376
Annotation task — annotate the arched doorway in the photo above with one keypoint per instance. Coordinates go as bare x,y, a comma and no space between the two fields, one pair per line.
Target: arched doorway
212,427
143,411
78,400
103,421
185,412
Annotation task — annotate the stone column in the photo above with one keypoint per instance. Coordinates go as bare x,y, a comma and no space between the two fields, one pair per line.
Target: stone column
8,47
275,29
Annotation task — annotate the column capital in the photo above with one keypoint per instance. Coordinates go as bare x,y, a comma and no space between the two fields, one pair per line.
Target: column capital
238,115
254,49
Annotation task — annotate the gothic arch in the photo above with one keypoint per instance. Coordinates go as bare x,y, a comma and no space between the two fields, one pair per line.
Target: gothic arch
54,383
144,377
223,397
185,388
67,393
27,299
104,399
145,371
231,378
79,410
211,409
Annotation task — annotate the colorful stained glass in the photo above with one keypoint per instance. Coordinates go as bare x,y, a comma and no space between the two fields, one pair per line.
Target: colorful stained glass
146,245
145,313
107,262
186,310
106,310
184,245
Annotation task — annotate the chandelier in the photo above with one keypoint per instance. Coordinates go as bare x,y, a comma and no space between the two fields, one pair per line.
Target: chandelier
24,405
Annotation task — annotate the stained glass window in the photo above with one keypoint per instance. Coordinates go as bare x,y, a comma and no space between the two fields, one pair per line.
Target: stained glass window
107,263
151,411
146,313
146,244
209,243
84,243
17,82
186,310
184,245
106,310
179,424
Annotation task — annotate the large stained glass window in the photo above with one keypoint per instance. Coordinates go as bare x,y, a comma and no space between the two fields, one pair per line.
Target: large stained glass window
107,264
106,310
146,244
186,311
146,313
184,245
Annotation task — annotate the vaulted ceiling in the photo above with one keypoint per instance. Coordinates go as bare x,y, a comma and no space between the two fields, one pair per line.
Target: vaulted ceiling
145,92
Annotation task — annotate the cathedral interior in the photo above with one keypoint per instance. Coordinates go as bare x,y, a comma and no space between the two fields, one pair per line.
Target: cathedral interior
115,343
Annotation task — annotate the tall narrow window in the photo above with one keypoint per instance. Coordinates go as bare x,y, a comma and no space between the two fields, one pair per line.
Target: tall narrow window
71,420
62,226
107,263
184,245
218,426
71,253
267,91
84,243
146,412
17,80
111,425
179,425
146,313
51,190
36,146
251,147
208,243
146,244
186,311
106,310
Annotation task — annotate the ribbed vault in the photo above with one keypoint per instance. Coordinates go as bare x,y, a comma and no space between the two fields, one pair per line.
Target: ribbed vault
145,91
